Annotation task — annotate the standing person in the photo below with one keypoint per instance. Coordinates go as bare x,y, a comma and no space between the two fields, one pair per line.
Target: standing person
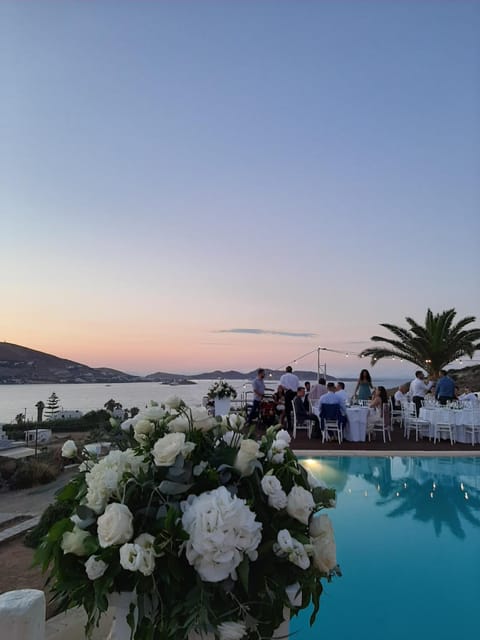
258,386
364,387
445,388
318,390
418,389
290,383
306,400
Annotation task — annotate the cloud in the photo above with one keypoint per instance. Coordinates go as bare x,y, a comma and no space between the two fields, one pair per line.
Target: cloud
290,334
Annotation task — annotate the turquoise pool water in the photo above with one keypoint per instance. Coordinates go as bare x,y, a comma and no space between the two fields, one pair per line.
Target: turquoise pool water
408,543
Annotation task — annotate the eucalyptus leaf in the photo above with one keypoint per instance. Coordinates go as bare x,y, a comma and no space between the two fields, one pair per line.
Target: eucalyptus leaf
173,488
85,513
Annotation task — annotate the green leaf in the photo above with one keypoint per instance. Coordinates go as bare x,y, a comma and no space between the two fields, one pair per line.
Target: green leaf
173,488
243,570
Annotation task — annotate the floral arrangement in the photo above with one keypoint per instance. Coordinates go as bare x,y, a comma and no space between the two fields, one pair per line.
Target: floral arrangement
211,530
221,389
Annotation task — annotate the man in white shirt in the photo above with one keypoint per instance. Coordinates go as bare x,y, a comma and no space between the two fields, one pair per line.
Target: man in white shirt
290,383
342,395
468,396
401,395
418,389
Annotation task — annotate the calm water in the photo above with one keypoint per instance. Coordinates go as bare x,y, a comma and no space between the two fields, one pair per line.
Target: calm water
407,532
15,399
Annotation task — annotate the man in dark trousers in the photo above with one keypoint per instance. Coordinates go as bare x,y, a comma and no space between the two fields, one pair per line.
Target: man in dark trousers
290,383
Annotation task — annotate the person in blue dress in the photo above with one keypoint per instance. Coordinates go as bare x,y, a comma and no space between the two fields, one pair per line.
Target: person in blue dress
364,387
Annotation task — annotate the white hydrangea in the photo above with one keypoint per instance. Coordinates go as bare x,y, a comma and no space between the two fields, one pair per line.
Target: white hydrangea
104,479
222,529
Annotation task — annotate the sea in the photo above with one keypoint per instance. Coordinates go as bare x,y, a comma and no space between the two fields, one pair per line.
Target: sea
22,398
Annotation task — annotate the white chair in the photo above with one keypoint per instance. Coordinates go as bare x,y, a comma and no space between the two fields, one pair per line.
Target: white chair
412,423
396,415
307,423
330,417
472,423
442,425
382,425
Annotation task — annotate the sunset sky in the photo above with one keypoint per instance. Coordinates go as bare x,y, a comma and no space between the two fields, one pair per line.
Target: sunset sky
190,185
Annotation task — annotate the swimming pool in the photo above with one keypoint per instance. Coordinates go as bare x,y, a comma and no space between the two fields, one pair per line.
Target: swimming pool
407,533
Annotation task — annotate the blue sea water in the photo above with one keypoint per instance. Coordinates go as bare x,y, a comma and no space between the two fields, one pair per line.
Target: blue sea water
407,534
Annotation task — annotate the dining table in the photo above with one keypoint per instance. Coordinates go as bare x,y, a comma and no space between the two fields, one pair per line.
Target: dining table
357,417
458,418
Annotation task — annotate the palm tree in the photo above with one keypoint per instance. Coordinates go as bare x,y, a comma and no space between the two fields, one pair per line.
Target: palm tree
432,346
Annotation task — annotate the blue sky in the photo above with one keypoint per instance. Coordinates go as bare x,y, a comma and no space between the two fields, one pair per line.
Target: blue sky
176,170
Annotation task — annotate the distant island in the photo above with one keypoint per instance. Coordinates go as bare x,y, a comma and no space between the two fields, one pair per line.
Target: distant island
22,365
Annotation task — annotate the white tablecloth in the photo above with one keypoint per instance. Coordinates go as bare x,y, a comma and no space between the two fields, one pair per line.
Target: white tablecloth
356,428
458,418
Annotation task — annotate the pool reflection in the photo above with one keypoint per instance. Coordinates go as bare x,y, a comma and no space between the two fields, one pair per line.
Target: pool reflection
442,491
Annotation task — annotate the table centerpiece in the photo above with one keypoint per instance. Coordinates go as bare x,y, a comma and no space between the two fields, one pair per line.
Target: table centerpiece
211,532
222,393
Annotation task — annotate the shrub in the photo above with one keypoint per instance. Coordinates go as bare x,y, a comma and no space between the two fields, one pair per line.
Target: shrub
32,472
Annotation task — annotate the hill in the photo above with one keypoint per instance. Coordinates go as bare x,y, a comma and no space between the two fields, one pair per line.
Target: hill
21,365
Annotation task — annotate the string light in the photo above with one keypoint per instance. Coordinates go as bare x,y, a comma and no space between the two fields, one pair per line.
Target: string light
347,354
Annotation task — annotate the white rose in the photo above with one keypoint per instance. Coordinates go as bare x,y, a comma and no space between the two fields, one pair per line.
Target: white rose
276,452
284,435
313,481
126,424
174,402
154,412
202,420
298,555
69,449
144,427
131,556
115,526
277,498
166,449
284,541
95,567
231,630
248,453
180,424
234,421
300,504
323,543
73,542
145,540
138,557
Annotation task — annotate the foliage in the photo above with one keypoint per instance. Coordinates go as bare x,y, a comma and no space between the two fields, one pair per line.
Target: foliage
32,472
432,346
129,525
52,514
221,389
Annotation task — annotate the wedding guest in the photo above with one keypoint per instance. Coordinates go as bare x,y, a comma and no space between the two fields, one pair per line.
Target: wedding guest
290,383
364,387
302,413
306,400
279,399
258,386
343,398
379,404
418,389
468,396
318,390
445,388
401,395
